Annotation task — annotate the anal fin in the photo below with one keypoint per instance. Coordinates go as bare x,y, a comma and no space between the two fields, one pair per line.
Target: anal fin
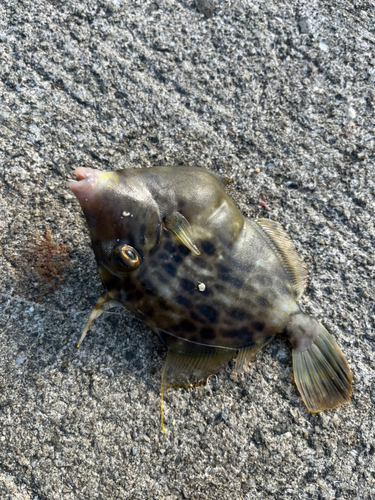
247,354
186,370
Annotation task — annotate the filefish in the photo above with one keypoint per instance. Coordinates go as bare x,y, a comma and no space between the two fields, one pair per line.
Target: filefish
173,248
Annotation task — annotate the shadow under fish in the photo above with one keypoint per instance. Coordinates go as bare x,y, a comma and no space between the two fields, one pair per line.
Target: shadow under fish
173,248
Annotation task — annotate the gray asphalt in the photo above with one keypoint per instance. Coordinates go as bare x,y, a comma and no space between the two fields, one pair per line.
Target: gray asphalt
278,97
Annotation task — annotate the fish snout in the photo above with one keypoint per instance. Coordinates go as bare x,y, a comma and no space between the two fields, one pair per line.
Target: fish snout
87,183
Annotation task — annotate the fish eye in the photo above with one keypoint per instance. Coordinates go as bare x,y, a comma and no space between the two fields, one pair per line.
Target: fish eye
125,258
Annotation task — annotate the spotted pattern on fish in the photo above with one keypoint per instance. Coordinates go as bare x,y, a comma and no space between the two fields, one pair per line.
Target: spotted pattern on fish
208,280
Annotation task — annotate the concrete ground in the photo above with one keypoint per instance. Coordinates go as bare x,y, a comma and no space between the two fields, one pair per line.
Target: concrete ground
279,98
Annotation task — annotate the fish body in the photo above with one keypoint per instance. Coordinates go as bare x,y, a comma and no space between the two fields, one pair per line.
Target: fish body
173,248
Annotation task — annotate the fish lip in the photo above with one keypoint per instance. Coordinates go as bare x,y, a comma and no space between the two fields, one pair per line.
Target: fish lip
84,173
80,174
86,181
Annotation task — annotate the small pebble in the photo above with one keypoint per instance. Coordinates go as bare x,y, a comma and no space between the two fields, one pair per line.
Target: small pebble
205,7
304,26
257,170
351,113
20,361
133,452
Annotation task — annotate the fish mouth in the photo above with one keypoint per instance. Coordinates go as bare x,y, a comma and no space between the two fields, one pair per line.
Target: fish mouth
87,180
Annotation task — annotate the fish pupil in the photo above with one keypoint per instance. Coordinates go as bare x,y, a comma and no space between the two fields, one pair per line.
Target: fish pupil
130,254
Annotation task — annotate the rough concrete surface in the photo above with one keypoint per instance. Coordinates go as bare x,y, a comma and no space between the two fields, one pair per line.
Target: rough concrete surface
278,97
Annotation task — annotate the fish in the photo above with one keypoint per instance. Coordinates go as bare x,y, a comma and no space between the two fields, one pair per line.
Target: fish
172,247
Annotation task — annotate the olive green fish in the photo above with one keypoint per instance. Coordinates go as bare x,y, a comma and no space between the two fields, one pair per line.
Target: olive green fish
172,247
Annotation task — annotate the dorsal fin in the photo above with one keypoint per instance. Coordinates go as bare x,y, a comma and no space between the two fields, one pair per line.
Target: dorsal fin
293,264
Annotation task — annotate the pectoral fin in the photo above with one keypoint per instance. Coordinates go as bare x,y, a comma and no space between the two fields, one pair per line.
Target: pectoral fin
177,223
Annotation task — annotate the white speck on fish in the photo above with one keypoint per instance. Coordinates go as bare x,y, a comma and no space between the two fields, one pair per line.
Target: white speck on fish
201,286
126,214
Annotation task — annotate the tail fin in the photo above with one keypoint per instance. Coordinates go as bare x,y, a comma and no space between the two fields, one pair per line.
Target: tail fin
322,374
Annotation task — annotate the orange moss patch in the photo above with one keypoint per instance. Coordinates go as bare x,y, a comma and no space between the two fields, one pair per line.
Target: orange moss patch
49,262
42,267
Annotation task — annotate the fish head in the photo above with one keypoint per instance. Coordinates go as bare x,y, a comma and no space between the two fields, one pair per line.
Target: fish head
122,216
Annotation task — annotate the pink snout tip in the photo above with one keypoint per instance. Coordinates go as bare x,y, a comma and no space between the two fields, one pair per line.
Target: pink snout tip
87,179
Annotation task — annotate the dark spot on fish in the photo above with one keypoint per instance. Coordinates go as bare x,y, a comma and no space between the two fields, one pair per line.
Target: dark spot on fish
237,314
259,326
177,258
186,326
163,304
263,280
223,269
183,301
250,290
187,285
251,343
245,267
163,256
219,287
242,333
183,249
225,277
159,277
231,279
148,284
237,282
209,312
148,312
195,316
170,248
263,302
171,270
208,247
207,333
